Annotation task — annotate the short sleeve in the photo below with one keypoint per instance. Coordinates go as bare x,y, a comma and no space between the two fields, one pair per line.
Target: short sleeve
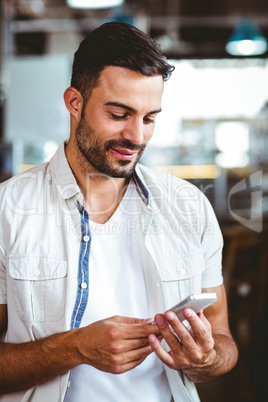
212,244
3,290
3,237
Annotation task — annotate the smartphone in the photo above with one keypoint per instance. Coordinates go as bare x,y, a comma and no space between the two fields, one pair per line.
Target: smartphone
196,302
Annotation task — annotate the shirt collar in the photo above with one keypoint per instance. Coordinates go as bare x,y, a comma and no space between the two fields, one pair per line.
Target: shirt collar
141,189
63,175
67,184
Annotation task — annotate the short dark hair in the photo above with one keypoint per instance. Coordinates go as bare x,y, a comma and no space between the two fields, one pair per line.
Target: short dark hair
116,44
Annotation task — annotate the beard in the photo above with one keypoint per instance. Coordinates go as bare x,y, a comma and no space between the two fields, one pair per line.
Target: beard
97,154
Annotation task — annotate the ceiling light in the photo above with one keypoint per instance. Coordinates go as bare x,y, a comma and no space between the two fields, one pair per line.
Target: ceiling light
246,40
94,4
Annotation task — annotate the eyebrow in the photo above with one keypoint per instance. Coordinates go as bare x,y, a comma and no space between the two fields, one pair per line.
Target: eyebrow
129,108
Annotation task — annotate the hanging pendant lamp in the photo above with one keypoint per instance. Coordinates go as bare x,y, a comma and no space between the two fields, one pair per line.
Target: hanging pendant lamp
246,40
94,4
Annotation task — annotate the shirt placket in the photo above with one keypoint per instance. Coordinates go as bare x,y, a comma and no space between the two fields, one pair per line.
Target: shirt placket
83,269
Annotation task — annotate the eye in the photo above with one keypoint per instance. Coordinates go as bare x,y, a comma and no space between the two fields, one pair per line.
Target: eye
148,120
118,116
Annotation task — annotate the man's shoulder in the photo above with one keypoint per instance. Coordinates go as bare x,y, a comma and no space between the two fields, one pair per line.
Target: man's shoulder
35,176
25,181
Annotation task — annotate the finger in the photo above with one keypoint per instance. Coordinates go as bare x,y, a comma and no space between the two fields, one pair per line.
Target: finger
120,369
139,354
182,333
120,334
148,321
173,332
160,352
131,320
166,330
128,366
179,355
126,345
135,331
201,328
202,316
145,323
126,320
128,361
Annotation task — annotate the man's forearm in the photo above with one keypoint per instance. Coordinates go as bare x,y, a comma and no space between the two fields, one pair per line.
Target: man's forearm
25,365
115,345
225,357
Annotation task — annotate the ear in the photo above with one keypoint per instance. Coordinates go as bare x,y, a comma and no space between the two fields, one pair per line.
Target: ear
73,102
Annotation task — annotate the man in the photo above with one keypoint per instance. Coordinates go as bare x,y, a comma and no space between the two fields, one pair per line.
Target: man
93,245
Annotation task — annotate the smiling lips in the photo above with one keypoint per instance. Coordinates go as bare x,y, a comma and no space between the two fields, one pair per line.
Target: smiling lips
123,153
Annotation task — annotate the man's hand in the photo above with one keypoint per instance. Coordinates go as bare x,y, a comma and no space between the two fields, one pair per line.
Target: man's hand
187,348
204,352
117,344
114,345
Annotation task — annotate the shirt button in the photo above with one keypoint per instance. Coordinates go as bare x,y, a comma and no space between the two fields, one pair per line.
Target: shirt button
78,196
86,238
83,285
37,272
183,272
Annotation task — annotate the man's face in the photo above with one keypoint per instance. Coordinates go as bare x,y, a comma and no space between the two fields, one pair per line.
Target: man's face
119,120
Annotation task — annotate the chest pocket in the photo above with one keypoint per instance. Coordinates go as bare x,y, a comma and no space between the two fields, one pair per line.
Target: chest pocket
38,287
182,278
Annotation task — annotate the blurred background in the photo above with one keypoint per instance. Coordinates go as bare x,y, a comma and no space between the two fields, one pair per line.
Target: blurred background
213,130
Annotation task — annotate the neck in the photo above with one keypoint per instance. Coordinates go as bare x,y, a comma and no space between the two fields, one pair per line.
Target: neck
102,194
103,197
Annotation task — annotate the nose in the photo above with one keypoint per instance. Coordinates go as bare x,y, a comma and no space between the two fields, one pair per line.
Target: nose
134,131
